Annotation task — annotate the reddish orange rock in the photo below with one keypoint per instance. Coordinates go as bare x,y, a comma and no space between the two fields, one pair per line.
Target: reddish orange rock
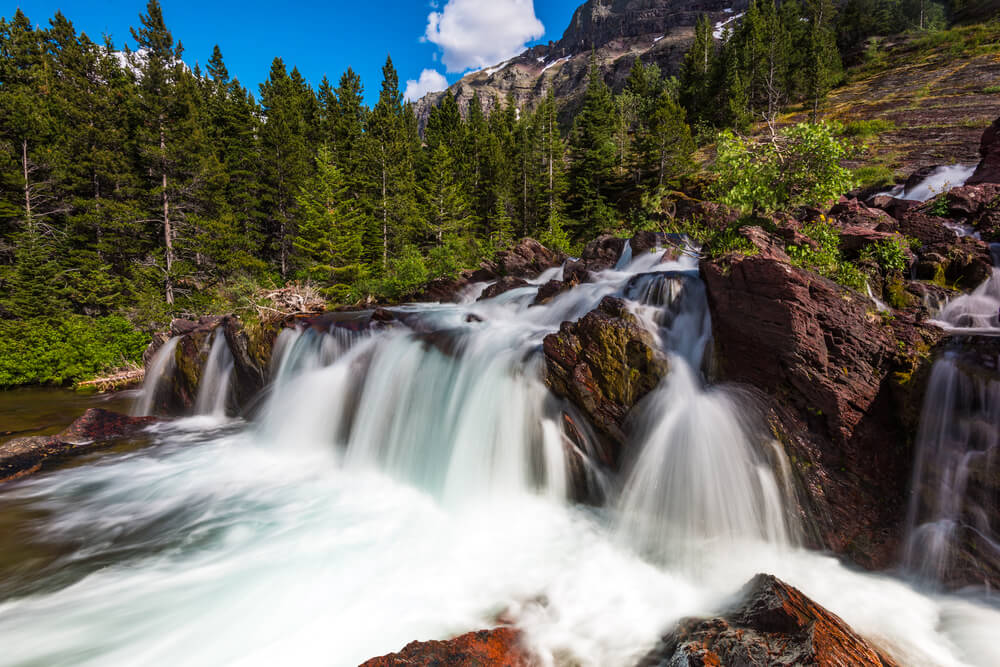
500,647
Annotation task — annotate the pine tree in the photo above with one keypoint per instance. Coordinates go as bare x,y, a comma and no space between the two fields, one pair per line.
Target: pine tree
698,72
328,245
551,187
445,203
823,64
592,148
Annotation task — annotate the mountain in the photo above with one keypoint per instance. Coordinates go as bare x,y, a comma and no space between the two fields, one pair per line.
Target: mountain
616,32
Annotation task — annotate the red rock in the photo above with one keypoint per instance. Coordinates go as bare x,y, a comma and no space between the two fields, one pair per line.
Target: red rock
926,228
970,200
527,259
774,625
487,648
98,425
504,284
852,213
988,170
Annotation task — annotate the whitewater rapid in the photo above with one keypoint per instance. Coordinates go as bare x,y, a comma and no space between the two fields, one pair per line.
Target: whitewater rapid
396,487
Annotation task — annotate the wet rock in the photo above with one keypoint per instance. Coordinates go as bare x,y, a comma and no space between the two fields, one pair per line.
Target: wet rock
504,284
527,259
929,229
964,262
487,648
96,428
988,170
552,289
773,625
831,368
604,364
442,290
600,254
969,201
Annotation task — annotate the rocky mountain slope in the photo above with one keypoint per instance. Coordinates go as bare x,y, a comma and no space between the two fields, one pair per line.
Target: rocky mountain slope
615,31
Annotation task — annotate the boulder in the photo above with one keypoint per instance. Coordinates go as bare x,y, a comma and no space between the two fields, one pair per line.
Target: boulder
838,378
487,648
527,259
773,625
504,284
96,428
928,229
988,170
604,364
968,201
600,254
853,213
551,290
854,239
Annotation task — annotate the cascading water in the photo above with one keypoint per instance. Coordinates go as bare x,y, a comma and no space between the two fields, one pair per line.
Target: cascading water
954,515
160,367
215,386
941,179
425,473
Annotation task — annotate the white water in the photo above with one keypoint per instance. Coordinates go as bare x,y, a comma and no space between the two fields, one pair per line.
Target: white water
215,387
959,437
161,366
399,488
942,179
978,311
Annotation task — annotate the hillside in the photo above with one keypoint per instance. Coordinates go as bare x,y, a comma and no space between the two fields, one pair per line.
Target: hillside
616,32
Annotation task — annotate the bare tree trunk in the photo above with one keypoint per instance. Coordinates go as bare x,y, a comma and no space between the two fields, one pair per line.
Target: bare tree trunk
27,186
385,212
168,234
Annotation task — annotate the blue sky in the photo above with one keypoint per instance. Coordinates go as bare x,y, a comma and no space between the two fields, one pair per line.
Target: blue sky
430,40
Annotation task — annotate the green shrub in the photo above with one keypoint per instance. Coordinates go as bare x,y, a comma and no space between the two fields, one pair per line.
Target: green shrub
40,351
889,254
825,259
939,207
868,128
799,167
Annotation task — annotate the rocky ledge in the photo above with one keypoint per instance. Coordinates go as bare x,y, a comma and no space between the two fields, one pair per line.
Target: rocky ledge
774,624
97,428
487,648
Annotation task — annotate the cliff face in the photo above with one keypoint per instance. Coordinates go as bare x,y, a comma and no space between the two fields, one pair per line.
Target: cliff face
615,31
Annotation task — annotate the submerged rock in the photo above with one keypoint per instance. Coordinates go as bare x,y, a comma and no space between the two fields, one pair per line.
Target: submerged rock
604,364
96,428
773,625
487,648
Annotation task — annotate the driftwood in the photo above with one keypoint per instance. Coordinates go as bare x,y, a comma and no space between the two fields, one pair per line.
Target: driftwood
294,299
123,379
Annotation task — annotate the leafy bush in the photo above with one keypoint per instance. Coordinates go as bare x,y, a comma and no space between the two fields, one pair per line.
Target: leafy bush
800,166
868,128
939,207
40,351
825,259
889,254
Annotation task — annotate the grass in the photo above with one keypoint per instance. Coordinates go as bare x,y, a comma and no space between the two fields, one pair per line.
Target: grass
991,90
874,175
868,128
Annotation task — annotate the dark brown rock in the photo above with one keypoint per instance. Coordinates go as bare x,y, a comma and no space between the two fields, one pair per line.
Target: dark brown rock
487,648
552,289
988,170
929,229
774,625
853,213
527,259
96,428
969,201
504,284
604,364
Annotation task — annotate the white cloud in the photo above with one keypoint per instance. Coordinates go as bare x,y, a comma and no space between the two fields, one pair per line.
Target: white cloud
473,34
430,81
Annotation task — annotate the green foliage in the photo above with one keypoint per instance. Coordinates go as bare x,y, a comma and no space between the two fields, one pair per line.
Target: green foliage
874,175
991,90
800,166
823,256
888,254
38,351
863,129
939,207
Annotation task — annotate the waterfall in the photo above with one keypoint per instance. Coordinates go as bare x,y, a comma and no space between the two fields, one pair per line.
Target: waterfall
215,386
160,369
953,513
941,179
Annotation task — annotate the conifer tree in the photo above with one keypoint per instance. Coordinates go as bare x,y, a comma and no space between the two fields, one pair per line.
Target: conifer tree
592,148
698,73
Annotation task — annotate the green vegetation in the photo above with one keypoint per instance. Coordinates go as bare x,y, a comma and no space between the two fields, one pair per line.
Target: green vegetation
38,351
824,257
864,129
889,255
876,175
799,166
991,90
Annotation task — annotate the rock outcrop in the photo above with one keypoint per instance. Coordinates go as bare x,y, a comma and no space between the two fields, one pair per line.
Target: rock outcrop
844,384
604,364
988,170
96,428
487,648
773,625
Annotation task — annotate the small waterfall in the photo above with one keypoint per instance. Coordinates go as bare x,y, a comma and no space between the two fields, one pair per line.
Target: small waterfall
954,514
879,303
160,368
940,180
626,257
215,385
978,311
703,475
